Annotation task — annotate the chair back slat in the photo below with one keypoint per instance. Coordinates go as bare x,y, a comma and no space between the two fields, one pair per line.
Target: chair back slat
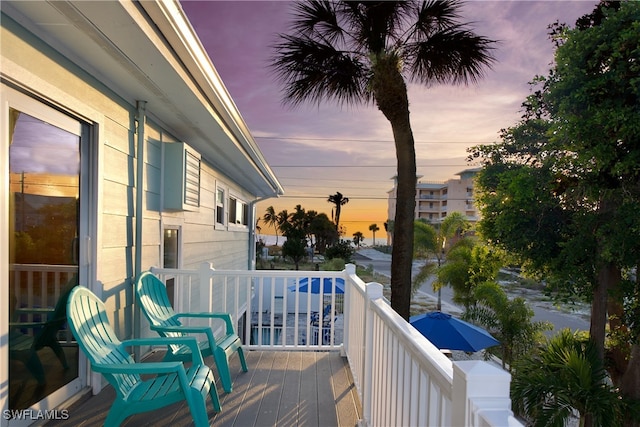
89,323
152,296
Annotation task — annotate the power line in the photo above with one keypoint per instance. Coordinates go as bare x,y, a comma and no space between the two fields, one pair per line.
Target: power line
294,138
369,198
368,166
341,180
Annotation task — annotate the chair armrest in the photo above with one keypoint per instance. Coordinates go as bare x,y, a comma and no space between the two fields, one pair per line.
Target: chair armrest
188,341
190,329
184,329
226,317
138,368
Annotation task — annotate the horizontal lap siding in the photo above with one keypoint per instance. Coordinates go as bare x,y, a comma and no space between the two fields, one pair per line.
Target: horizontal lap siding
32,64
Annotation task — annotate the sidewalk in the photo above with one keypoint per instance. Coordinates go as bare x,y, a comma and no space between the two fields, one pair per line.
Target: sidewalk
374,254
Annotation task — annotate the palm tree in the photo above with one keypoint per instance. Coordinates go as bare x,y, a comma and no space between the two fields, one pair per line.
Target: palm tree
435,240
508,320
271,218
283,221
358,237
373,228
364,52
339,200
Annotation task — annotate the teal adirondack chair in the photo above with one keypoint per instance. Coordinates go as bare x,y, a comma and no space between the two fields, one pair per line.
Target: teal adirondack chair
154,302
174,382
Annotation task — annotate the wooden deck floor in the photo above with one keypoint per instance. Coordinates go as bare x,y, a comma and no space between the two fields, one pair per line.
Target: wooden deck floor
280,389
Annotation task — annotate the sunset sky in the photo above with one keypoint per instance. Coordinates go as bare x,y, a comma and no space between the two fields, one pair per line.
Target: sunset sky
316,151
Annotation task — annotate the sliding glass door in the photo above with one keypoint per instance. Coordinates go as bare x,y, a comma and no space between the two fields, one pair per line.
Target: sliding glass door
47,219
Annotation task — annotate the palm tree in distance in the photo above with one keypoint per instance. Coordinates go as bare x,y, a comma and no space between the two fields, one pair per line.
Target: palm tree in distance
358,237
373,228
283,221
270,218
364,52
339,200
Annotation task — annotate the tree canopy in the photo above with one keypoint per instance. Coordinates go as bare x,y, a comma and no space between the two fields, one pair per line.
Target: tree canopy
562,188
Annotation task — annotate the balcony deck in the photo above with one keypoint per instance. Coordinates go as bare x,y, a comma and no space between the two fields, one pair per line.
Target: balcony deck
281,388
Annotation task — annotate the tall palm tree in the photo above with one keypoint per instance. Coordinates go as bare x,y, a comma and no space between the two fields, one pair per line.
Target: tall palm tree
339,200
270,218
365,52
373,228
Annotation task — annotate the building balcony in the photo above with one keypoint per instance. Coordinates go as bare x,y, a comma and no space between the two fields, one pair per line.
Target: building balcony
361,364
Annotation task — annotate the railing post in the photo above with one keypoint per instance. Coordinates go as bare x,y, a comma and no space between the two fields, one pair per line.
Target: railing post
374,291
206,287
350,270
478,387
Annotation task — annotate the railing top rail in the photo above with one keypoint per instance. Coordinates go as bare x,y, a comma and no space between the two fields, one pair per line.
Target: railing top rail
62,268
251,273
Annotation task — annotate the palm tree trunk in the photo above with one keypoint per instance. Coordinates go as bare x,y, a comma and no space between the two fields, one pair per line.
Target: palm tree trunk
402,251
390,93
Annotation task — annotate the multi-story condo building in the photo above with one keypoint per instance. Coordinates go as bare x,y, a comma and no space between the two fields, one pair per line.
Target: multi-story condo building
435,200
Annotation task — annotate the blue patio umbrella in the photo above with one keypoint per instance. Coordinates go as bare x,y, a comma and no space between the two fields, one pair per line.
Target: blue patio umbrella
327,285
446,332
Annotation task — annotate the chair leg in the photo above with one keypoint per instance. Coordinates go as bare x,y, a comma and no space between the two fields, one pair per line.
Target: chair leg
243,362
198,408
117,414
223,369
217,406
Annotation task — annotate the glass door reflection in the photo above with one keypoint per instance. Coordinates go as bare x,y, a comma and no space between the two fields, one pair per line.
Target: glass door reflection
44,181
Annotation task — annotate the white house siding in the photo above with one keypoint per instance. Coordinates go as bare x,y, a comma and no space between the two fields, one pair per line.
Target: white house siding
38,69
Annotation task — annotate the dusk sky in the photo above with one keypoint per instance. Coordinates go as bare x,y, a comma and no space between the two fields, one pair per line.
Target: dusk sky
316,151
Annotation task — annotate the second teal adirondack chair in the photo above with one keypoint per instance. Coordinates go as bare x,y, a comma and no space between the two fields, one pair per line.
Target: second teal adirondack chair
88,321
154,302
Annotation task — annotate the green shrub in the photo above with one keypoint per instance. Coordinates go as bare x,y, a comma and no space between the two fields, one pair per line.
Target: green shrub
334,264
341,250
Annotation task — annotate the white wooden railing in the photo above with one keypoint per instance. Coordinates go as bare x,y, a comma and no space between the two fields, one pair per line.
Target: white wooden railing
401,378
35,291
39,285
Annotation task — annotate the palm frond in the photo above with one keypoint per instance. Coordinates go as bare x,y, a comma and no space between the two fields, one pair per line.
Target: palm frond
316,71
453,55
433,16
376,25
318,19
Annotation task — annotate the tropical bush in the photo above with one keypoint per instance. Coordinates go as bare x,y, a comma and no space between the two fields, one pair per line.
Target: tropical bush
564,376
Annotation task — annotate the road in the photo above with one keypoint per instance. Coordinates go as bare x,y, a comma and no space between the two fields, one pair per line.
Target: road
543,310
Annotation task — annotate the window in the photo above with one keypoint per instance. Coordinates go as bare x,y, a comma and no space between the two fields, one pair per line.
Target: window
232,210
238,212
245,214
220,206
171,258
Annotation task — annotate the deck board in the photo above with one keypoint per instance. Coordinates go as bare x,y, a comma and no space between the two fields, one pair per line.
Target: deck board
313,389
